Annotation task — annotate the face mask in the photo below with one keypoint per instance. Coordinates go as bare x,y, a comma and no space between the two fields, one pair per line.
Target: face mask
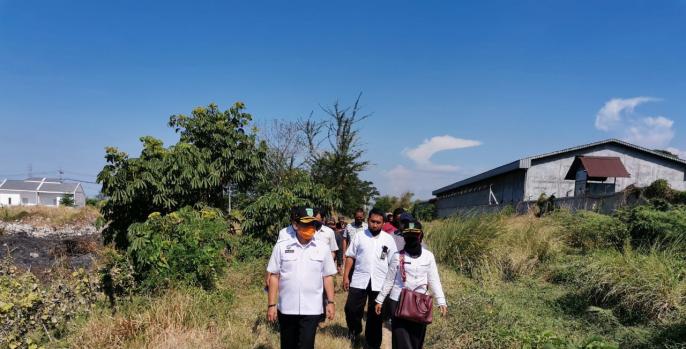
412,244
307,233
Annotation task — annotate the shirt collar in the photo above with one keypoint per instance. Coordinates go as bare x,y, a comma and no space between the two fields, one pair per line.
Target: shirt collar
296,242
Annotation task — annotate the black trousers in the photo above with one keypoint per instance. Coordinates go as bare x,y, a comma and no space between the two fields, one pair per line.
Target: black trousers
354,311
297,331
406,334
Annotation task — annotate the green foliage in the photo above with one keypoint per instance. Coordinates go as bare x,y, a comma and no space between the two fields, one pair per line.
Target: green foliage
549,340
388,203
424,210
270,212
215,151
589,231
246,248
545,204
385,203
648,225
642,286
67,200
659,189
31,313
185,246
117,274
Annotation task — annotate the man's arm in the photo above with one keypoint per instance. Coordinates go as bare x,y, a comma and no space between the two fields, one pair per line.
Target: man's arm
271,297
348,265
328,289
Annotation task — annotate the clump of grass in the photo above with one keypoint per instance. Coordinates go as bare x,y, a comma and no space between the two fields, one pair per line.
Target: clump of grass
650,285
494,246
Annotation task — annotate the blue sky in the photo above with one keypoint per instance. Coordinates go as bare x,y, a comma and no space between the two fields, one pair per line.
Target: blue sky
493,81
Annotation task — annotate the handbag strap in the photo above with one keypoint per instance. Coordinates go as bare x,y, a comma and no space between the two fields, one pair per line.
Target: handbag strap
403,275
402,266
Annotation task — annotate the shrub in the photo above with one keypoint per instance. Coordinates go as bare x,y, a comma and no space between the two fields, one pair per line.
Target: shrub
117,275
659,189
186,246
648,225
589,230
31,313
247,248
648,285
67,200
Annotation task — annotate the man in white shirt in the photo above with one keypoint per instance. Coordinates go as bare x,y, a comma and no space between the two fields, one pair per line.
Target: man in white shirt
324,233
371,252
300,270
358,225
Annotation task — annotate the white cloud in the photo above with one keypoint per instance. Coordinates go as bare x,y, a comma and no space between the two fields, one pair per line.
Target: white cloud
611,113
653,132
425,176
618,116
421,155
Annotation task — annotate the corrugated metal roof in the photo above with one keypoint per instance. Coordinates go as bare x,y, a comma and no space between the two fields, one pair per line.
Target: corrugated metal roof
598,167
53,186
59,187
525,163
13,184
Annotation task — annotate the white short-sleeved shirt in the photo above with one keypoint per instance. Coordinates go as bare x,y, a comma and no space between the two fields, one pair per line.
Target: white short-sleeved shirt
301,269
324,234
371,263
351,229
419,272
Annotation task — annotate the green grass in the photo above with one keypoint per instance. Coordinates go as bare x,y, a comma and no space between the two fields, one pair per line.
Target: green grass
511,282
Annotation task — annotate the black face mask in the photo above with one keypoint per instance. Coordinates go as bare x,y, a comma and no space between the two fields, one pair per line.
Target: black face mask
412,244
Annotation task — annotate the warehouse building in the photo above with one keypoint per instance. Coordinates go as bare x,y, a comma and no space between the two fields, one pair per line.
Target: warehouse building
596,169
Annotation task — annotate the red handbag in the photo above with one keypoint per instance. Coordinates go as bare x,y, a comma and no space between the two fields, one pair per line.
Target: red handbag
412,305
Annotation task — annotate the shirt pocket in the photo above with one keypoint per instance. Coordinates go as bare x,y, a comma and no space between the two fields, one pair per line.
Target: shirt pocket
289,263
315,263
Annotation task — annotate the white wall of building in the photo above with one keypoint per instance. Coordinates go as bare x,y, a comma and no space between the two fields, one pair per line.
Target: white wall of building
548,176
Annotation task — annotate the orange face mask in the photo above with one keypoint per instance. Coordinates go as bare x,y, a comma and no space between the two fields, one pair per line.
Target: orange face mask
307,232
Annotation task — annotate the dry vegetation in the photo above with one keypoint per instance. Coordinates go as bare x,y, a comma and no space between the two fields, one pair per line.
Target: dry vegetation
42,216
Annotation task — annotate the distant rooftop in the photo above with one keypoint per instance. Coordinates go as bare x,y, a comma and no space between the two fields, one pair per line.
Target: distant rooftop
47,185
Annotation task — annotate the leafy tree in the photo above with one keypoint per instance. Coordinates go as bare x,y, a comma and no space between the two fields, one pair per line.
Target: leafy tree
386,203
389,203
424,210
67,200
338,167
270,211
215,151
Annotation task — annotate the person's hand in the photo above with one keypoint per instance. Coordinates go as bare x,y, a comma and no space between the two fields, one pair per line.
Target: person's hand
330,311
377,309
346,283
271,314
444,310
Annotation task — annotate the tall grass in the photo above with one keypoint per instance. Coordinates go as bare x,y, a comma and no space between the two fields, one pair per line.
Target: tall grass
641,285
494,246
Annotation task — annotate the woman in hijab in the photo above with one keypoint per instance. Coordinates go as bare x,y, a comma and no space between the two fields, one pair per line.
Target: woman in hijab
420,271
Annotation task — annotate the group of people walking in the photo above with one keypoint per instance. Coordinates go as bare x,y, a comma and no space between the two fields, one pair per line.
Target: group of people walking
379,257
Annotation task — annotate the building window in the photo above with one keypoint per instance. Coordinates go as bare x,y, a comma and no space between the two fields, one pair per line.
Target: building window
24,201
9,201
